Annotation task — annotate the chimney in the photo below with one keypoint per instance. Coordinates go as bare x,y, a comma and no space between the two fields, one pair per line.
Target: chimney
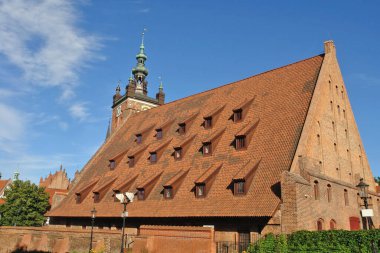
329,47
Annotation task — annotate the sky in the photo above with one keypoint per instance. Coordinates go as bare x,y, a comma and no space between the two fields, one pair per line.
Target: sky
60,62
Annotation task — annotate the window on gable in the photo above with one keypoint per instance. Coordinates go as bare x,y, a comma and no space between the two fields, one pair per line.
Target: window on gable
200,190
206,149
332,224
320,224
112,164
96,197
159,134
139,138
329,193
316,190
77,198
182,128
239,187
346,202
240,142
208,122
178,153
238,115
153,157
131,161
140,194
168,193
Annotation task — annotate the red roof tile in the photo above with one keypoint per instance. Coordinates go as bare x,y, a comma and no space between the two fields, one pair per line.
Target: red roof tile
288,89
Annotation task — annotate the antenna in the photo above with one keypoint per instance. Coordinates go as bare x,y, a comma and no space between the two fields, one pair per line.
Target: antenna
142,36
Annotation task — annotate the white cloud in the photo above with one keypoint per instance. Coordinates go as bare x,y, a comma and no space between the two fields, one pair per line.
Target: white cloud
12,128
41,39
79,111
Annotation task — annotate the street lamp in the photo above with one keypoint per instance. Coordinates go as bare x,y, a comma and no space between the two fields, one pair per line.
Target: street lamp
124,198
93,214
363,194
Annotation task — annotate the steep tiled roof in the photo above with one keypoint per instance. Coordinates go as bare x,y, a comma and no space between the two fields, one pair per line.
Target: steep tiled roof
279,98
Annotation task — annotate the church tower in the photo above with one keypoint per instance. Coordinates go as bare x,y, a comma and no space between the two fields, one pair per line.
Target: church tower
136,97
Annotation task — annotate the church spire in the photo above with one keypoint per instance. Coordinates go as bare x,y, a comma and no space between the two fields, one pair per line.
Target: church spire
160,96
140,71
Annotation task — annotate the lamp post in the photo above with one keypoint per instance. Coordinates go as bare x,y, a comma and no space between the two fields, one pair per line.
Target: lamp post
363,193
93,214
124,198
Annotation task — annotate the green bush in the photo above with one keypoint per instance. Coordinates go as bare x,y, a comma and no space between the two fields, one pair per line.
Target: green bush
339,241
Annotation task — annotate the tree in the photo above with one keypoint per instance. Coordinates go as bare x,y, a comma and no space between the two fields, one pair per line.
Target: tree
25,205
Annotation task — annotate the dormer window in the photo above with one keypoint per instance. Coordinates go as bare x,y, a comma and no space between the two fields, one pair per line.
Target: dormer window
159,134
208,122
178,153
206,149
115,199
112,164
239,188
238,115
240,142
77,198
168,192
153,157
131,161
140,194
182,128
200,190
139,138
96,197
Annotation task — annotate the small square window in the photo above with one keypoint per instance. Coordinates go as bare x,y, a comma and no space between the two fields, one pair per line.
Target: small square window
141,194
159,134
200,190
178,153
168,193
131,161
153,157
182,128
208,122
112,164
96,197
206,148
238,115
239,188
77,199
240,142
139,138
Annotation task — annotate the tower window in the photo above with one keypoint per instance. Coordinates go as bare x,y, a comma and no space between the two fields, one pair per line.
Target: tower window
206,149
140,194
178,153
168,193
240,142
238,115
329,193
131,161
316,190
153,157
139,138
159,134
239,188
182,128
208,122
112,164
200,190
96,197
346,202
320,224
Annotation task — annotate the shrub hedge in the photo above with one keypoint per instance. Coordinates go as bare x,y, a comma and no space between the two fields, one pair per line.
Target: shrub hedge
339,241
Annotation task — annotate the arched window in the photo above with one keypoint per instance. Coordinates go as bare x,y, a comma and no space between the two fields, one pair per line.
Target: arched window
346,202
329,193
332,224
316,190
320,224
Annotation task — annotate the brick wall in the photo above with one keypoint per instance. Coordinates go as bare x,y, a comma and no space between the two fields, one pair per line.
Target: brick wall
167,239
60,240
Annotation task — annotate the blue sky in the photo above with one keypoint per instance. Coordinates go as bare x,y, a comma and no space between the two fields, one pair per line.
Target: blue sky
60,62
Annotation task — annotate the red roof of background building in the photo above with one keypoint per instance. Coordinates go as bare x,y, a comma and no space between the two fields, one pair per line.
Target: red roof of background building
281,100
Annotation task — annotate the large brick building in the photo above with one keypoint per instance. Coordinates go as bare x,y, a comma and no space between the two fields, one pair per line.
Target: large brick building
275,152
